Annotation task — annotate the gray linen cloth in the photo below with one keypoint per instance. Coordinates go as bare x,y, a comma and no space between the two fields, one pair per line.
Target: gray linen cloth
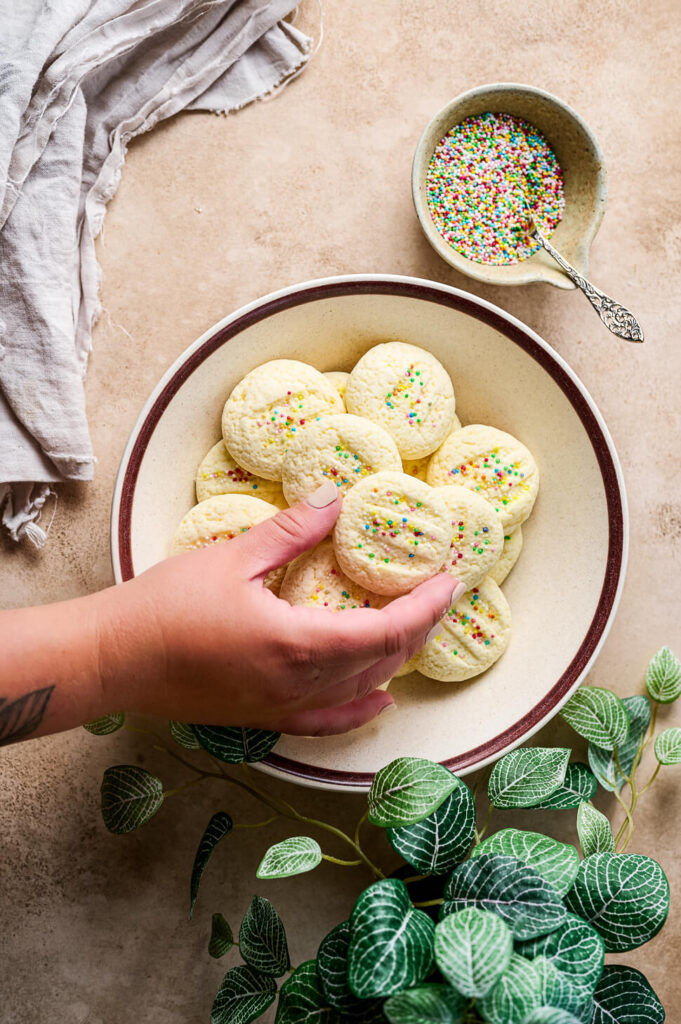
78,80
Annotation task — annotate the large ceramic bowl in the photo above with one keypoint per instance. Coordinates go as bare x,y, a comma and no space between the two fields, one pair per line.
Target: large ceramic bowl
565,588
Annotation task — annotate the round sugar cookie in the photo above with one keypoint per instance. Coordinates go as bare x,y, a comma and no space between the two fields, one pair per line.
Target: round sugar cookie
492,463
316,579
269,407
419,467
477,535
219,473
513,545
393,532
220,518
407,391
344,449
473,635
339,379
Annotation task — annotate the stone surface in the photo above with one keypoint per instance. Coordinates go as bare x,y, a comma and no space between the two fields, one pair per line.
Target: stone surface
213,212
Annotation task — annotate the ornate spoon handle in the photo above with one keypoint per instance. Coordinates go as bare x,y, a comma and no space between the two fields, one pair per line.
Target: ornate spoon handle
615,317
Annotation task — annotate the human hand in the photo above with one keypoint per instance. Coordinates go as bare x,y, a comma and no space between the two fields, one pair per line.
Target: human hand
214,645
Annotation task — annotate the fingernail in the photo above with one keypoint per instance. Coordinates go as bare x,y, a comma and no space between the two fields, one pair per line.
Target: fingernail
457,594
387,707
432,633
323,496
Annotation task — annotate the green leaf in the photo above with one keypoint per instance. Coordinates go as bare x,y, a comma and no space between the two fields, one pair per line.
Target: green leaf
473,948
603,762
184,735
668,746
219,826
624,895
408,790
551,1015
301,999
527,775
332,968
598,715
515,994
443,839
262,939
557,862
426,1004
221,937
235,744
509,888
293,856
557,989
663,677
579,785
106,724
391,943
625,996
243,996
593,829
130,797
575,949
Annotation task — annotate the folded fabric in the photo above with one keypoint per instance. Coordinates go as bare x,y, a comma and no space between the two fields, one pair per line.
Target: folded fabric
80,79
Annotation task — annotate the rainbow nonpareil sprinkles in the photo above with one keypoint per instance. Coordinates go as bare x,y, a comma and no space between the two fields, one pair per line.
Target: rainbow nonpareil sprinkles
483,176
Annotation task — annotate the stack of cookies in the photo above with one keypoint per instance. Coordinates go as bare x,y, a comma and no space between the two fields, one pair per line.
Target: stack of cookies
421,492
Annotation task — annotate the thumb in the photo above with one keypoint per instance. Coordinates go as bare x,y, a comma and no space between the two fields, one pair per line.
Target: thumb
285,536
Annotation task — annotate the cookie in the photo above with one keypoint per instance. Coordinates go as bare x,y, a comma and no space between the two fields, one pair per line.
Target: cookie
269,407
408,392
393,532
220,474
419,467
222,518
492,463
344,449
339,379
316,579
473,635
477,535
513,545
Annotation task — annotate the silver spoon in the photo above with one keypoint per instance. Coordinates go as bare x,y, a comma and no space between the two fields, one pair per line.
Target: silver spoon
616,318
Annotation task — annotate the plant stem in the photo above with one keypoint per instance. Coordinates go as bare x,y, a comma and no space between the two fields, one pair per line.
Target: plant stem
417,878
258,824
187,785
650,780
343,863
429,903
359,825
480,834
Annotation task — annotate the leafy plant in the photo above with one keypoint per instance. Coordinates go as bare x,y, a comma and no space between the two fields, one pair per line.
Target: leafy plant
519,924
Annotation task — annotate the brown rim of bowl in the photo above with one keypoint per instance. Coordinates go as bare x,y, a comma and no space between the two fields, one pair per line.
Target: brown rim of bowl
519,335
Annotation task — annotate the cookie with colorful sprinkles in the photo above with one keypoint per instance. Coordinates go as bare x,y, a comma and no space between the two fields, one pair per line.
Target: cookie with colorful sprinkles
491,463
316,579
408,392
513,545
266,410
477,535
393,532
472,636
344,449
219,473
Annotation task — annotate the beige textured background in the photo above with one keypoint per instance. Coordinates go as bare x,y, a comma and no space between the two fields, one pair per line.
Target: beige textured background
213,212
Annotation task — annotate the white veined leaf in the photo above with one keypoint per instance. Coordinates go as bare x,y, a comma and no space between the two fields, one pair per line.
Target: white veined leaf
107,724
302,1001
473,948
579,784
391,942
243,996
551,1015
235,744
598,715
426,1004
509,888
130,797
219,826
221,937
515,994
184,735
527,775
408,790
439,842
332,969
625,996
624,895
262,938
557,862
576,949
603,762
668,746
593,829
291,857
663,677
557,989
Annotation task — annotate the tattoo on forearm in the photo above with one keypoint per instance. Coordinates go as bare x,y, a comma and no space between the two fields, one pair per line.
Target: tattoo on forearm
20,717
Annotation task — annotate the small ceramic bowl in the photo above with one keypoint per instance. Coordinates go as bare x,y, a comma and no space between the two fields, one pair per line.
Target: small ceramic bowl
564,590
578,153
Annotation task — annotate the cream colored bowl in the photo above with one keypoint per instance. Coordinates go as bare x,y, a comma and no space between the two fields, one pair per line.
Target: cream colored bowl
565,588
